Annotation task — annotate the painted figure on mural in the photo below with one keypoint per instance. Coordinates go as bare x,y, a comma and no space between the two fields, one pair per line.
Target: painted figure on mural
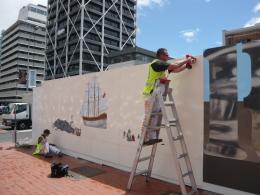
66,126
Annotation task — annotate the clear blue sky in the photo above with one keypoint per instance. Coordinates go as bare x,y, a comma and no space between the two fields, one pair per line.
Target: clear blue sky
191,26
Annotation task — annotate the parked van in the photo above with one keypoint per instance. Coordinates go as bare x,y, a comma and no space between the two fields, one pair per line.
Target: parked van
19,114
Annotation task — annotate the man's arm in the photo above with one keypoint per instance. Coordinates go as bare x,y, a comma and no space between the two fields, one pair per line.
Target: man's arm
159,66
180,65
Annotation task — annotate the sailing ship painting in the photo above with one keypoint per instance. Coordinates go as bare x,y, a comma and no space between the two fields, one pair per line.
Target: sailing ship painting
93,111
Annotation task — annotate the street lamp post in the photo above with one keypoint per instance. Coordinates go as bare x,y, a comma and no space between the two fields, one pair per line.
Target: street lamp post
15,128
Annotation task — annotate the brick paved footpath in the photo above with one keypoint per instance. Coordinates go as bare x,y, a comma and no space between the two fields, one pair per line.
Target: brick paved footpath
22,173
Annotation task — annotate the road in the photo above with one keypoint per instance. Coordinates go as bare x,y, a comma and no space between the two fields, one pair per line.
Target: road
23,136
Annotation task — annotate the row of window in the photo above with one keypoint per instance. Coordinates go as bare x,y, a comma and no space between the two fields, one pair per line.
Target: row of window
39,11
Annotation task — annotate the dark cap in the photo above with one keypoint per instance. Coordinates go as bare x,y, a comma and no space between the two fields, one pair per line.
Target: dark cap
46,131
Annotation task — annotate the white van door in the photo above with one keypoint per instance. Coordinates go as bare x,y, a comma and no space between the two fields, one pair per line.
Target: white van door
22,111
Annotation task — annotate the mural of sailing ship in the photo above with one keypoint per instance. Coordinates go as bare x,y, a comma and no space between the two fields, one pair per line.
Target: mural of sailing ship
66,126
93,111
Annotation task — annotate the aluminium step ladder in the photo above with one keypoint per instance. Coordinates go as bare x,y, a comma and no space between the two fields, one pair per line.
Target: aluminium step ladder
159,96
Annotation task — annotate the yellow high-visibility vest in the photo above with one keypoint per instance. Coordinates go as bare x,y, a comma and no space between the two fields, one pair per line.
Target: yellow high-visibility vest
38,148
152,77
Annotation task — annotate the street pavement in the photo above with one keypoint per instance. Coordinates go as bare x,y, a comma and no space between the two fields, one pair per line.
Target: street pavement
23,136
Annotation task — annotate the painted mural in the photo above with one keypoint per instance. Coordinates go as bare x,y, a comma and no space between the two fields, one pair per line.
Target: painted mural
93,111
232,116
66,126
129,136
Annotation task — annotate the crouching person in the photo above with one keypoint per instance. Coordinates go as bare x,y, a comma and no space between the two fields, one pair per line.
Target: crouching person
44,148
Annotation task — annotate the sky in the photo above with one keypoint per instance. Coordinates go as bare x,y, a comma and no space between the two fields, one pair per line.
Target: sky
181,26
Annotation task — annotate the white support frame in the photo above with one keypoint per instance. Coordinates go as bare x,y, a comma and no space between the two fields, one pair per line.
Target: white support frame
81,44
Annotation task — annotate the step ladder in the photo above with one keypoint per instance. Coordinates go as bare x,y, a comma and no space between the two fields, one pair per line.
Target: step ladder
174,132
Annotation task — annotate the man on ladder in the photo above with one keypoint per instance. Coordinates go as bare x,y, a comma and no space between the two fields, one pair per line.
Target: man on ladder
157,69
156,93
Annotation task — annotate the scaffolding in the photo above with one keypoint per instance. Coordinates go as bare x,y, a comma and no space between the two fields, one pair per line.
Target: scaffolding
81,33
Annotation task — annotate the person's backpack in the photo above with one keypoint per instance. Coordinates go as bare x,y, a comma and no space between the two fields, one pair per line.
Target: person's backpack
59,170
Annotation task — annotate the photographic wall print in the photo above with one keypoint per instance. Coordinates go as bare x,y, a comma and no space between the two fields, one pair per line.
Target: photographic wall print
232,116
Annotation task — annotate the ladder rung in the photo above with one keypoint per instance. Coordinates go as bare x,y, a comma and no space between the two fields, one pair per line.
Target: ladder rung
156,113
154,127
144,158
168,103
192,192
186,174
182,155
179,137
172,120
170,124
141,172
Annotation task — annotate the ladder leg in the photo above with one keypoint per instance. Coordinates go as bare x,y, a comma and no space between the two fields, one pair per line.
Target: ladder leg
135,163
183,145
146,121
173,150
150,166
159,122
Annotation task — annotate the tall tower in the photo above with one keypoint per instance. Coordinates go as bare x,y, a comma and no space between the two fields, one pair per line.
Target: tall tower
22,53
81,33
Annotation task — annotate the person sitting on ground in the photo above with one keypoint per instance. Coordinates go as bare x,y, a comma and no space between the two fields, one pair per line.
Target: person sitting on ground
44,148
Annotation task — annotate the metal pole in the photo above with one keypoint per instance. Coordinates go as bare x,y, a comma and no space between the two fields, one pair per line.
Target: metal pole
103,32
55,37
121,25
15,123
81,36
67,39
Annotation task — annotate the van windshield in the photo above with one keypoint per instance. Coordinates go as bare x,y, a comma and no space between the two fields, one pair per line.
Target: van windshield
10,108
18,108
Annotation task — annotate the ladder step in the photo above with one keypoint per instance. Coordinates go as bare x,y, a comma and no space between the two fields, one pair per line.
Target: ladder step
182,155
141,172
168,103
193,192
186,174
172,120
156,113
172,123
144,158
179,137
154,127
152,142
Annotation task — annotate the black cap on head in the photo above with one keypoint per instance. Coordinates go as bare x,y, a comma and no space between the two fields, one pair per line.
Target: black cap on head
161,51
46,131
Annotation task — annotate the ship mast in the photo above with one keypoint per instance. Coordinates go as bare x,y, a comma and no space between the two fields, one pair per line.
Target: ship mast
94,97
98,100
88,99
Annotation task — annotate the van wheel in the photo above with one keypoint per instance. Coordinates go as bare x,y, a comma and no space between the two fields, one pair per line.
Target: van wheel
22,125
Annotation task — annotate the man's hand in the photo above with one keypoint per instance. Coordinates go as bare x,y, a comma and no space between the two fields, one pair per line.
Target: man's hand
190,60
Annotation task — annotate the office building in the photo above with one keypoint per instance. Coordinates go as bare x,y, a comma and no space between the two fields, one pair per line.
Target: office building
22,54
244,35
81,33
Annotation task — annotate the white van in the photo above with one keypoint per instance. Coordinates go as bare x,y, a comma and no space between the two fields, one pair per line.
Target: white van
19,114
